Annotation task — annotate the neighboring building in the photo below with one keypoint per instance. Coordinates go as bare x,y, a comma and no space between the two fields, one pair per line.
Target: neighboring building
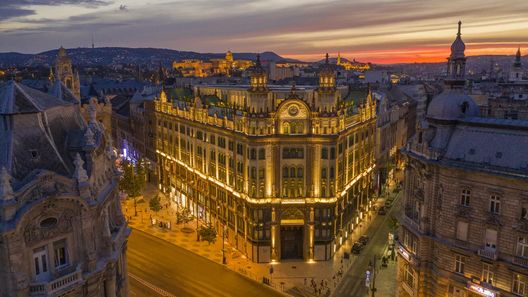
396,122
464,230
379,77
508,100
351,65
290,178
62,230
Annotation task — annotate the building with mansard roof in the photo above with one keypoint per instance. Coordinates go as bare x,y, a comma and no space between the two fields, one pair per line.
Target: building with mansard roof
286,171
62,232
464,229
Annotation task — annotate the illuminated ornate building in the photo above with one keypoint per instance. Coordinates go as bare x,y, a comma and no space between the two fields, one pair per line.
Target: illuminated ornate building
199,68
464,230
290,177
62,230
354,65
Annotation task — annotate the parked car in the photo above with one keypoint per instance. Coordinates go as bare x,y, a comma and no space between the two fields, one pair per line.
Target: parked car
356,248
364,239
382,211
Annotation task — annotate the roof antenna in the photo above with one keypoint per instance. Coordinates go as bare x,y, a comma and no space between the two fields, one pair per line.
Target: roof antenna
93,43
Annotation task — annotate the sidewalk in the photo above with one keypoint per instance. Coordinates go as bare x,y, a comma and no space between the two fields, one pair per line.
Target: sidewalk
293,277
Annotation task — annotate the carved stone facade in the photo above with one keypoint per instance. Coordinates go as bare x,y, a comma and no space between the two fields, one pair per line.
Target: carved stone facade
463,228
62,230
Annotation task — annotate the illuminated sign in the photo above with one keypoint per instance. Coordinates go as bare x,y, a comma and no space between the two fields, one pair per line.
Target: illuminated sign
480,290
404,253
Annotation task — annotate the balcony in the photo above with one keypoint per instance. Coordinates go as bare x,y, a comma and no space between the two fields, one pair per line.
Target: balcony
66,280
520,261
488,253
463,212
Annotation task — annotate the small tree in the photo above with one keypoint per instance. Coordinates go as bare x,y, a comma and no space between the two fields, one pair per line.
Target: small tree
207,233
184,217
393,224
155,204
130,182
141,174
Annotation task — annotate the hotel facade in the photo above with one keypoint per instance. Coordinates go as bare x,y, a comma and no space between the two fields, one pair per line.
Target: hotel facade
288,175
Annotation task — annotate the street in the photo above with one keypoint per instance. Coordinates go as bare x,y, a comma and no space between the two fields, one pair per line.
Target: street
353,283
158,268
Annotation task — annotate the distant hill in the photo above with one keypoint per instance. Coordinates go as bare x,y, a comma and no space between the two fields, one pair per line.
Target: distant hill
123,55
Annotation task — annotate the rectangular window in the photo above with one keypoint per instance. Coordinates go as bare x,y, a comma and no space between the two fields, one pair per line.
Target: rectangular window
212,139
519,284
522,247
491,239
487,273
60,252
465,196
324,153
462,231
293,153
494,204
262,154
231,145
460,262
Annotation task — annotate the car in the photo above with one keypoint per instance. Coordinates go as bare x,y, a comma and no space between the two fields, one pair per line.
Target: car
364,239
382,211
356,248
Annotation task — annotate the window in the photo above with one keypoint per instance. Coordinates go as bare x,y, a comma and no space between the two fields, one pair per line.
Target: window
462,231
262,154
487,273
300,172
460,262
465,196
494,204
60,252
491,239
221,142
408,275
519,284
323,173
40,262
285,172
293,153
522,247
212,139
324,153
253,154
231,145
332,153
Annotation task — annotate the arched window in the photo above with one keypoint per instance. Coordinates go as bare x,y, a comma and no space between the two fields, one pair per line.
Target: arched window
285,172
300,172
292,172
286,128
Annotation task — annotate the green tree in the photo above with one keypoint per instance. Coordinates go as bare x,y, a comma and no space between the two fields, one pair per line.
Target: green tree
393,224
155,204
184,217
141,174
207,233
131,182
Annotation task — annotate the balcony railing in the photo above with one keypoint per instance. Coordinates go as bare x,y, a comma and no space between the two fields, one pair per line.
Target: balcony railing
488,253
56,285
520,261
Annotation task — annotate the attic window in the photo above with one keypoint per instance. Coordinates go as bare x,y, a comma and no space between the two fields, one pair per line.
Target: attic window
465,106
472,151
34,154
498,155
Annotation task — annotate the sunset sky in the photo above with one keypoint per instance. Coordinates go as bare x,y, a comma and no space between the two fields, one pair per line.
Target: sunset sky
379,31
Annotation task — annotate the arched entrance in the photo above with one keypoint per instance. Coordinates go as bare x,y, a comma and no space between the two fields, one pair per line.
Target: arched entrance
292,234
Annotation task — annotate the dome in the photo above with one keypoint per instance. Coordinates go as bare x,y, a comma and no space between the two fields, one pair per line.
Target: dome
452,104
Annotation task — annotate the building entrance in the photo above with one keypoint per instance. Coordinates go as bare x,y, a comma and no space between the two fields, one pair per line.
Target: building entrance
292,242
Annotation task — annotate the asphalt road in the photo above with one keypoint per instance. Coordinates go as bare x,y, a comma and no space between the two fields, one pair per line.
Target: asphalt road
353,283
158,268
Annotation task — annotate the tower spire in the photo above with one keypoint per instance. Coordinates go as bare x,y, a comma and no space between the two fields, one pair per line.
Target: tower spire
459,27
326,59
258,60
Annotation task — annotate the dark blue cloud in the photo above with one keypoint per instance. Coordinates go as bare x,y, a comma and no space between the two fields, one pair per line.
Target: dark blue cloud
15,8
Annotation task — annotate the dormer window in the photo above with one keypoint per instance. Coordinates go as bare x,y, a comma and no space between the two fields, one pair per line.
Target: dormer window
464,107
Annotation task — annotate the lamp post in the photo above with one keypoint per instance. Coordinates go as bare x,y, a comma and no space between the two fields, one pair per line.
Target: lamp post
223,245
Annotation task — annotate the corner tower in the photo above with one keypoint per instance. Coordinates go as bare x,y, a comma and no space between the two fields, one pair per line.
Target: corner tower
258,100
327,96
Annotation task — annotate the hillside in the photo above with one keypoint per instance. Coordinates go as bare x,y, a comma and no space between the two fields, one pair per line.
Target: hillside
121,55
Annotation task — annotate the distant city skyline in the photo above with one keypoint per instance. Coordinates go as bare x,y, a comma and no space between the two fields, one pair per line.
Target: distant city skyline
378,31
